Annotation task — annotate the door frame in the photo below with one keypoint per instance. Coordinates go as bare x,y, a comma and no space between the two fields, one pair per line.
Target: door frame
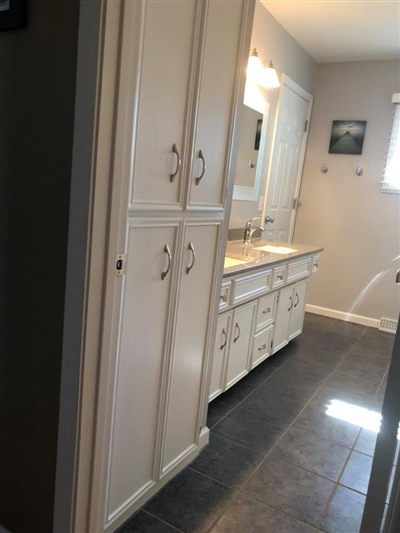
293,86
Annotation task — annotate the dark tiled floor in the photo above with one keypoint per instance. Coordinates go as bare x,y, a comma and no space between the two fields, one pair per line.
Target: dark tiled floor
277,462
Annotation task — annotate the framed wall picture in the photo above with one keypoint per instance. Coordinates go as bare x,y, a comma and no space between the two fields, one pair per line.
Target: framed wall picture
12,14
347,137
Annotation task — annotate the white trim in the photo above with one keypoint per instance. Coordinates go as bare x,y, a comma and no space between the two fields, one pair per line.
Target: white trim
342,315
392,190
396,98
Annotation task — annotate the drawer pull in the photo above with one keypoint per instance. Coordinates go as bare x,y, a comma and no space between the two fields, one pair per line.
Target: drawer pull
238,335
168,252
280,276
291,305
178,163
203,170
224,297
262,347
268,310
298,300
191,248
226,338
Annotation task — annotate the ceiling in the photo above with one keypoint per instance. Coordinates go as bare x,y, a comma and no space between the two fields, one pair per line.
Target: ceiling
340,30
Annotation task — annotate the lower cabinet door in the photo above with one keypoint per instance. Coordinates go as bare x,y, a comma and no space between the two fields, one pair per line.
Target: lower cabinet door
240,342
281,324
261,346
219,356
187,371
297,313
142,351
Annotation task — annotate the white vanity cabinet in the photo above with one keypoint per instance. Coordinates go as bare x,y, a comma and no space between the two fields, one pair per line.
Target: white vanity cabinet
261,310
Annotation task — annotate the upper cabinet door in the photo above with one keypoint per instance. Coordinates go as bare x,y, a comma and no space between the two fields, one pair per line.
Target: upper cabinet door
215,107
165,76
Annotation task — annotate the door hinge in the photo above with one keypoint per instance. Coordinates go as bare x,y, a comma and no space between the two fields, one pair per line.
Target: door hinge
120,265
277,299
272,343
306,126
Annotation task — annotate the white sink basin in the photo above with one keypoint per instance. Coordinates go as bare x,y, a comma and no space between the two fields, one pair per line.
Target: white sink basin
230,262
276,249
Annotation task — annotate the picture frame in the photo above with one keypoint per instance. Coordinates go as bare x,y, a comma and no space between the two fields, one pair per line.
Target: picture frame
12,14
347,137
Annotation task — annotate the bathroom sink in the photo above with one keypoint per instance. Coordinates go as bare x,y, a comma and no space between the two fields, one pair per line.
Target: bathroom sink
276,249
231,261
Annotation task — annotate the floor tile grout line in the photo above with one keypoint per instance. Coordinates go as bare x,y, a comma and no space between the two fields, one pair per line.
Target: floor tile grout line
162,521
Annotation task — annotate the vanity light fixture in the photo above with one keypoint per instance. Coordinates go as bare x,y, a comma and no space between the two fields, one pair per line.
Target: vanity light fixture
254,66
269,77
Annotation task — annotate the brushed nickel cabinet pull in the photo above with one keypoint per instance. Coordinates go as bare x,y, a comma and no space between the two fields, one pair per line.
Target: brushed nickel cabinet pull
203,170
298,300
262,347
223,297
225,341
238,335
168,252
178,163
291,299
191,248
268,310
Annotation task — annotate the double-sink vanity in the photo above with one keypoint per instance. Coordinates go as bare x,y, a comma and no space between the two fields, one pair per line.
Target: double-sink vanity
262,304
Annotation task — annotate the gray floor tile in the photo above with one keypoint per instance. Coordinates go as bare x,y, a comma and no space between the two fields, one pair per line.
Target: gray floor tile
357,472
272,405
142,522
349,389
366,442
321,355
238,392
262,372
317,422
227,461
301,448
359,354
337,340
361,370
347,328
344,513
299,388
191,502
250,429
290,489
315,324
377,342
246,515
217,410
306,370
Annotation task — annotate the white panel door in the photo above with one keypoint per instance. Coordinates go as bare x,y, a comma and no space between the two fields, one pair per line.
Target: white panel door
297,311
142,350
166,61
196,283
286,164
215,103
220,352
240,342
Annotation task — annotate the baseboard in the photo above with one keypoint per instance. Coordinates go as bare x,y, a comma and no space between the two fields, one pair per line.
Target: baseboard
342,315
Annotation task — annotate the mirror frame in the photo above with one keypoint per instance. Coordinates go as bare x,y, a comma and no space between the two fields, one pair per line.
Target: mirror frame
252,194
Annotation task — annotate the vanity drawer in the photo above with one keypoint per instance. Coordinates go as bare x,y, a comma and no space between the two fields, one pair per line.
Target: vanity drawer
250,286
266,311
225,297
261,346
299,269
314,263
279,276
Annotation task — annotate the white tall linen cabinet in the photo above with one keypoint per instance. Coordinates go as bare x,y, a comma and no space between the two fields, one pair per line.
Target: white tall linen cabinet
181,79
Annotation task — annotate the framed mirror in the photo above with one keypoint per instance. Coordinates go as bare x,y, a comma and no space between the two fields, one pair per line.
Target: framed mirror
252,149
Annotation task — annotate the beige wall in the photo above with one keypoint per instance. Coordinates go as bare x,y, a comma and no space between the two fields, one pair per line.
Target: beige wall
358,225
273,42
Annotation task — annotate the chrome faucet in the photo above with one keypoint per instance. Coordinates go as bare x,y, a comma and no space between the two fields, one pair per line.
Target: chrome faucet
250,228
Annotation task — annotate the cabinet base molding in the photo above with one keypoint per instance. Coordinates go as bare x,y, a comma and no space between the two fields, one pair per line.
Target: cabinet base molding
342,315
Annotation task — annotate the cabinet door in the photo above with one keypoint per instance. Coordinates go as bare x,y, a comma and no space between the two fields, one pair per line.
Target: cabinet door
281,324
220,352
187,370
240,342
142,349
164,77
217,85
297,312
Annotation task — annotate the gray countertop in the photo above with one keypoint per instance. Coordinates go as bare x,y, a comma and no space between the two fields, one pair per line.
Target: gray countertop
240,257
